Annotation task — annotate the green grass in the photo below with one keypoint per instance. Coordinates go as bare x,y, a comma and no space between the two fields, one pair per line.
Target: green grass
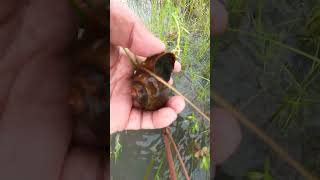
261,175
288,48
115,149
268,47
185,28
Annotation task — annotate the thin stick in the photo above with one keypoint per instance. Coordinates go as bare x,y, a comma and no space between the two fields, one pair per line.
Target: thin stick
169,156
278,43
166,131
262,135
171,87
185,172
177,92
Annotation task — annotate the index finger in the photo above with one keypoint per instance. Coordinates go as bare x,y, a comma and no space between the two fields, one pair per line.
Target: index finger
128,31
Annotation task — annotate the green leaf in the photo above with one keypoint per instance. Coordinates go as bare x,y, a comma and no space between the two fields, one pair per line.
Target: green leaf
205,163
118,148
195,127
255,175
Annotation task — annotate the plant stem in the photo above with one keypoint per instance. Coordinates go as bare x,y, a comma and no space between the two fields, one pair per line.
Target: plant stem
177,92
160,166
262,135
170,87
149,169
185,172
169,156
311,57
179,34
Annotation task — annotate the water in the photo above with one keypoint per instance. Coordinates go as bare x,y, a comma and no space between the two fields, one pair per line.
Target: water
260,85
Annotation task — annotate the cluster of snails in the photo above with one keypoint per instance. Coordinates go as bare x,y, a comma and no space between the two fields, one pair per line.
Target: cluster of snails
147,92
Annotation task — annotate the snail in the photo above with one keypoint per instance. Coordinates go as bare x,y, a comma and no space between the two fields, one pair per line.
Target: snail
147,92
88,86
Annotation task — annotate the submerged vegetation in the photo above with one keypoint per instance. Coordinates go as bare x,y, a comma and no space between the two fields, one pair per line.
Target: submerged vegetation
115,149
268,46
261,175
277,44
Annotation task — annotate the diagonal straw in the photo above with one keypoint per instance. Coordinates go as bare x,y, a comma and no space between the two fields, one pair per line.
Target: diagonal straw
168,85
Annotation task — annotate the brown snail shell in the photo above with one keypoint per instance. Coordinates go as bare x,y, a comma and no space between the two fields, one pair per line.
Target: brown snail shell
147,92
88,86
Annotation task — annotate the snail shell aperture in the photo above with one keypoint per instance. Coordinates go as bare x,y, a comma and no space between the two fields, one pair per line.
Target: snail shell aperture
147,92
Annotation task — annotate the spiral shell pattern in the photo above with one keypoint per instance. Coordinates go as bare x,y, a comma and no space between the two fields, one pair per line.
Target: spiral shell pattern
147,92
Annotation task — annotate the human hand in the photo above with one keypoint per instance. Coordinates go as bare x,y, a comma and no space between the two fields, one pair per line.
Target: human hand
36,130
129,32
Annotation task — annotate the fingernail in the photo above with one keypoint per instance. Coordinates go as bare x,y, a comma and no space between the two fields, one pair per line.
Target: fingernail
177,67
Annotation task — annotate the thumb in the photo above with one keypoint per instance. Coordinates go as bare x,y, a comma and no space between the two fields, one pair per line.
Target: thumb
128,31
